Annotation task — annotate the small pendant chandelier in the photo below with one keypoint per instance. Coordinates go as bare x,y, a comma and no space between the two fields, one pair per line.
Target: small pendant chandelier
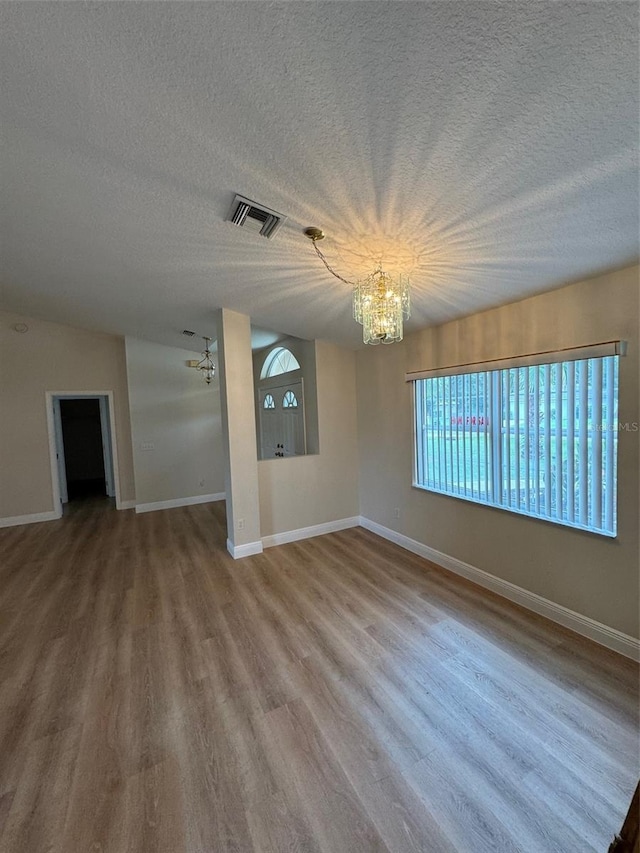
205,364
381,302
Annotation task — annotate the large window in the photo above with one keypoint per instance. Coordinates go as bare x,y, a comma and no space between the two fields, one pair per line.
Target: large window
539,439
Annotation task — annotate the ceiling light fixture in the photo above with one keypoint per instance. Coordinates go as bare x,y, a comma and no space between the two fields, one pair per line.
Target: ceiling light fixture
381,302
205,364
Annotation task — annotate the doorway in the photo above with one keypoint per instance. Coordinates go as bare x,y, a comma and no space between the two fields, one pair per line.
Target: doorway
282,429
81,435
84,451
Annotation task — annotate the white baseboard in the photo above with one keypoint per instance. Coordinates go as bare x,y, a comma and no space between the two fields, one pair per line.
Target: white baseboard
195,499
583,625
309,532
240,551
126,505
32,518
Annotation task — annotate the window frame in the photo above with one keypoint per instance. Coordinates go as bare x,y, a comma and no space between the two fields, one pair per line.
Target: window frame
289,400
494,498
273,356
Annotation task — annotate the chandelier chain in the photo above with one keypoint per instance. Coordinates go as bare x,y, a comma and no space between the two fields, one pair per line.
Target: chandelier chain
326,263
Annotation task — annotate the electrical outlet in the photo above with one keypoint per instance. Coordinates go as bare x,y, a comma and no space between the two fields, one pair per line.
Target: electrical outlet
396,512
241,524
147,445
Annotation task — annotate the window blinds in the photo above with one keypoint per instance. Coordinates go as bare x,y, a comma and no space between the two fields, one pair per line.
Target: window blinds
537,439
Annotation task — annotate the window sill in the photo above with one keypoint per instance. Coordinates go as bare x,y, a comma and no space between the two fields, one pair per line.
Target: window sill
519,512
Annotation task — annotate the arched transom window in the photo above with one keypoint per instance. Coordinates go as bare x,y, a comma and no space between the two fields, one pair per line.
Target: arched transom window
289,401
280,360
269,402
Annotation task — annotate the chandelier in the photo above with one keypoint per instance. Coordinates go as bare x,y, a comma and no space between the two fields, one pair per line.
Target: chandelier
381,302
205,364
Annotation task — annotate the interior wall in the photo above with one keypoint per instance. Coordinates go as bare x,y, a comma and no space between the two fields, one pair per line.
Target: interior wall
303,491
52,357
593,575
176,429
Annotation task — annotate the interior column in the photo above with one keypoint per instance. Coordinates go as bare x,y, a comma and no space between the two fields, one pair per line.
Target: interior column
239,434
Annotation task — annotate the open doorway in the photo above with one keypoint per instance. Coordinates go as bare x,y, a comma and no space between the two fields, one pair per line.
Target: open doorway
286,402
82,447
282,420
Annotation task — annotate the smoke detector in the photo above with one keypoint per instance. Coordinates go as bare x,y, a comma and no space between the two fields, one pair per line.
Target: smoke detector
255,217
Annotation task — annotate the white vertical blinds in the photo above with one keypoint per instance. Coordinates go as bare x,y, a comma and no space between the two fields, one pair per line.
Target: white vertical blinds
536,439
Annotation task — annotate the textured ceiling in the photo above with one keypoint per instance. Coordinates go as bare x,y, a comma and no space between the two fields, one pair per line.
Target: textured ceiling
489,148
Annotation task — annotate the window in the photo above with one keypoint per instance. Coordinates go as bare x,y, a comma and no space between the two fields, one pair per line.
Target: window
280,360
268,402
289,401
538,439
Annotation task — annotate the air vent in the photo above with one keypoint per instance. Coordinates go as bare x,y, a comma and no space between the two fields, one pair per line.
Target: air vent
255,217
188,333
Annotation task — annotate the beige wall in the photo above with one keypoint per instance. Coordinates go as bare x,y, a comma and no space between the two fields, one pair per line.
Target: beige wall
591,574
51,357
303,491
178,415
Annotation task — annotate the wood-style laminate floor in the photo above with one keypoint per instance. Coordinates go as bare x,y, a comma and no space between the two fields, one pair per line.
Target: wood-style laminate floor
337,694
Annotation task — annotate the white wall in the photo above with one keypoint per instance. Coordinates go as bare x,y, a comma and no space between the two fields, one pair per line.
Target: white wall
590,574
303,491
176,413
51,357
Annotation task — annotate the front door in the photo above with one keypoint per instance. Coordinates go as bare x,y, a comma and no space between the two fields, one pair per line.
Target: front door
282,430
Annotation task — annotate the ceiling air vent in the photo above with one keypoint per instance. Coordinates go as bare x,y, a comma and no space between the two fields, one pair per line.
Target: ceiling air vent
247,214
188,333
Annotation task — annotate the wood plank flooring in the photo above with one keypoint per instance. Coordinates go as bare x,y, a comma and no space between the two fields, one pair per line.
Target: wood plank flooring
334,695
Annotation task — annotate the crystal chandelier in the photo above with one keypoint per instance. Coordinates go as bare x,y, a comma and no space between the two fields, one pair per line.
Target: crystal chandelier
381,302
205,364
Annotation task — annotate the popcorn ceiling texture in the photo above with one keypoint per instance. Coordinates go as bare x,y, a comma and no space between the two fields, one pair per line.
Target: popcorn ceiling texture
490,147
